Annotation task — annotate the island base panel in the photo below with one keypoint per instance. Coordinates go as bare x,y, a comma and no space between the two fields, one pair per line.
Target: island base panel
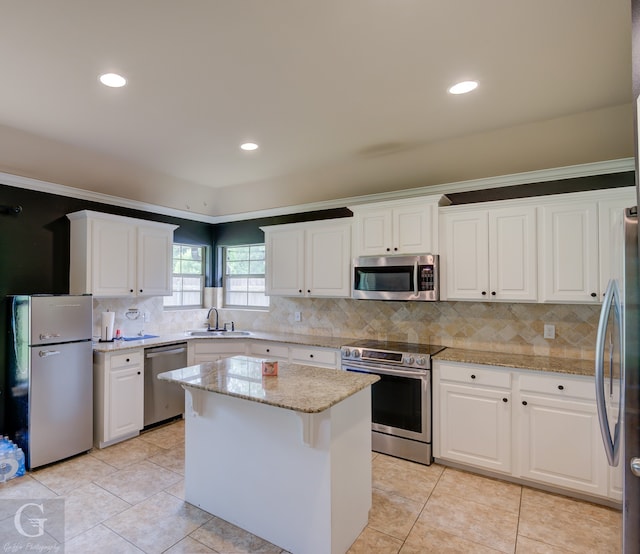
246,463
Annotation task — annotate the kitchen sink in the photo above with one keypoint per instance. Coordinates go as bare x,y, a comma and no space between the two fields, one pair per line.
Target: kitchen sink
212,333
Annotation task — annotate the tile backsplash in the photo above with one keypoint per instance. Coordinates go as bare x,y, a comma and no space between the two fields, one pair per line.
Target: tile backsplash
511,328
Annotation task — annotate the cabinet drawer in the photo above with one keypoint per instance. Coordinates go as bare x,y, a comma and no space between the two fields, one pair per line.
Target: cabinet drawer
315,356
268,349
559,384
475,375
128,359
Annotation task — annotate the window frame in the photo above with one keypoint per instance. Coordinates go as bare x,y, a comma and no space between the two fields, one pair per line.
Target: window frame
203,277
225,277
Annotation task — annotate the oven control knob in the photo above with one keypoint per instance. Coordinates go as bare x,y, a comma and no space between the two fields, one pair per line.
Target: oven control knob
356,353
408,360
346,352
421,360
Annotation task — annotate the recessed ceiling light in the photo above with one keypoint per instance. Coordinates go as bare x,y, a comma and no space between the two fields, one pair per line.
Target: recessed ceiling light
463,87
249,146
113,80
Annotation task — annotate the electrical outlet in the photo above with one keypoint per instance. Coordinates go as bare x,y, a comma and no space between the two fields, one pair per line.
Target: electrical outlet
297,316
549,331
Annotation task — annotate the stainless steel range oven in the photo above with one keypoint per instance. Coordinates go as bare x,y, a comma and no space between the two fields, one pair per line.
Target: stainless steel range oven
401,400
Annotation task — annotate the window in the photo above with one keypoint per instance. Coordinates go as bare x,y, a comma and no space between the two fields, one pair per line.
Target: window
188,277
244,282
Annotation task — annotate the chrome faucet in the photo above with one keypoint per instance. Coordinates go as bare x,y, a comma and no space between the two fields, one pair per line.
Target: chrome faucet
217,328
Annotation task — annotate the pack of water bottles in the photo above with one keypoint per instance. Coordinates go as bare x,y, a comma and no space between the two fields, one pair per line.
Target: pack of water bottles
11,460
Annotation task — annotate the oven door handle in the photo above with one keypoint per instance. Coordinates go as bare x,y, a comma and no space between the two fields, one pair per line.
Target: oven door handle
393,372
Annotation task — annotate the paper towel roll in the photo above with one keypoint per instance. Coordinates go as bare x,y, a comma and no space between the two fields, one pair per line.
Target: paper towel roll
106,331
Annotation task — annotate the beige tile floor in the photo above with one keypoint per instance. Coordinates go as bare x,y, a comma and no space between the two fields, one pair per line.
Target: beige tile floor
130,498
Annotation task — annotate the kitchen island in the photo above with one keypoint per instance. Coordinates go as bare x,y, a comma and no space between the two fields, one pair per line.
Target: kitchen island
286,457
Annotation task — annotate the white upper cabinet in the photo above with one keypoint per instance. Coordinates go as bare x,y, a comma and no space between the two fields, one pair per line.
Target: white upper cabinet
568,262
399,227
489,254
576,234
309,259
114,256
557,248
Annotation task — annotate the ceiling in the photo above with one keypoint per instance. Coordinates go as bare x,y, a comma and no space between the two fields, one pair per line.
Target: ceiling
345,98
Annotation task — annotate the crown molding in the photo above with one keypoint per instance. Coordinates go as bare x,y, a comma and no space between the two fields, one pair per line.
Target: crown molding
553,174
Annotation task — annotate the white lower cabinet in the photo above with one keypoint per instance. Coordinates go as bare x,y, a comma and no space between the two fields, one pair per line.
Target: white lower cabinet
210,350
560,442
536,426
118,396
474,423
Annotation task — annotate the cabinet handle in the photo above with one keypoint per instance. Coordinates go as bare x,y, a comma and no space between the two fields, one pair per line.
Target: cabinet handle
593,295
268,350
140,290
130,290
127,360
308,292
505,400
524,402
388,249
310,355
484,293
138,373
560,387
473,376
493,293
395,249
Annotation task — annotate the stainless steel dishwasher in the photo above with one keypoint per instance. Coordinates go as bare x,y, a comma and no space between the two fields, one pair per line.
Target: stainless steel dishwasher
163,400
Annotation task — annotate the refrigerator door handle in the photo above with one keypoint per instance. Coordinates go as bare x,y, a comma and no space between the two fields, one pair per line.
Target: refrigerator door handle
46,353
611,444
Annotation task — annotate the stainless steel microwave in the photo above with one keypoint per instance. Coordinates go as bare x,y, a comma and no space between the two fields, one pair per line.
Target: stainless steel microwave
415,278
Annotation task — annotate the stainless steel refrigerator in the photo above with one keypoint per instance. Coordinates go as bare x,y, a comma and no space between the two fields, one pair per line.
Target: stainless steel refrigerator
51,376
618,370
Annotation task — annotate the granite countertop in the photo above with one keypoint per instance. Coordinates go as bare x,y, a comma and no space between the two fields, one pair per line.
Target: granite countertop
501,359
521,361
297,387
292,338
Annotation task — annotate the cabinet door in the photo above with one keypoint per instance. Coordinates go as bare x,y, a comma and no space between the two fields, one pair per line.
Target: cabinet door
285,262
412,230
513,254
155,253
611,238
465,256
560,443
126,402
475,426
328,257
113,258
568,260
374,228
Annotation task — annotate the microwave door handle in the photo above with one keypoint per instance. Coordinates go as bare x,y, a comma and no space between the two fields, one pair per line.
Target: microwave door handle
415,278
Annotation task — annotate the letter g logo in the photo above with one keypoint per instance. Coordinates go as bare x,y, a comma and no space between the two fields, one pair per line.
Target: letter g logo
38,523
